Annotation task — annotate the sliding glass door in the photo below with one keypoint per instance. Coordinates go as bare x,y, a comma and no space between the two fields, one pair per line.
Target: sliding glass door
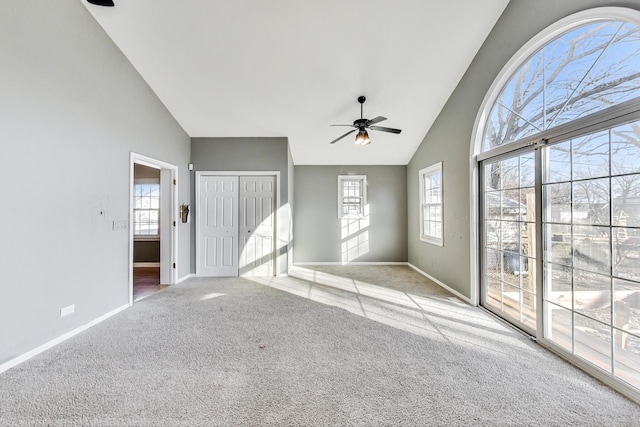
591,190
509,241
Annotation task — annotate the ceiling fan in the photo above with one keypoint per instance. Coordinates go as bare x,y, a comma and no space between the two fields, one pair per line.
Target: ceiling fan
361,125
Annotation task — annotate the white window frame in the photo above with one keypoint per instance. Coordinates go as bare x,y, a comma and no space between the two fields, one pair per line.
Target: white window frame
424,174
140,237
342,179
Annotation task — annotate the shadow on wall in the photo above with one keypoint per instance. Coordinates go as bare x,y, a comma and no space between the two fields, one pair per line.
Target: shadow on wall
355,236
256,257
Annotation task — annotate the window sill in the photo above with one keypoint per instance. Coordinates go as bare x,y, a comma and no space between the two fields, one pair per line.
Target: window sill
143,238
436,242
352,216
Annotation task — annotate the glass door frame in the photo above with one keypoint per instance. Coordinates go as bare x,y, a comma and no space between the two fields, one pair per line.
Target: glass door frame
624,113
530,148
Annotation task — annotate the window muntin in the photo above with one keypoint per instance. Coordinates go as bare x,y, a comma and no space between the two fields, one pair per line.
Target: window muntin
431,215
352,195
585,70
146,211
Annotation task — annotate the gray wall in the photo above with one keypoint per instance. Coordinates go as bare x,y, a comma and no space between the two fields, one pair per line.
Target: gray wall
318,230
143,173
248,154
72,109
146,251
449,138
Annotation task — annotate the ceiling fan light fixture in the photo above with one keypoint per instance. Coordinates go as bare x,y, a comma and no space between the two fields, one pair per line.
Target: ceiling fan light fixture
362,138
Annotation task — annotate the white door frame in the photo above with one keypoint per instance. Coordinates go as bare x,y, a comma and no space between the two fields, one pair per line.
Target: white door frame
276,174
168,229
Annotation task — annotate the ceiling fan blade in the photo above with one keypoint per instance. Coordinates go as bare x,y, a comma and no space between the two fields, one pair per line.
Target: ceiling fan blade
375,120
340,137
344,125
383,129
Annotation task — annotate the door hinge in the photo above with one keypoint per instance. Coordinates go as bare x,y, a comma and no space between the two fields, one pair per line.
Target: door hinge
174,223
174,265
175,182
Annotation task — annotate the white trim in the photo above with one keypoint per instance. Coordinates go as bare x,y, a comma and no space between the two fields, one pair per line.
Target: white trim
196,212
434,169
428,276
147,181
146,238
522,55
146,264
199,174
474,227
341,180
453,291
186,277
166,225
238,173
618,385
46,346
151,162
172,230
298,264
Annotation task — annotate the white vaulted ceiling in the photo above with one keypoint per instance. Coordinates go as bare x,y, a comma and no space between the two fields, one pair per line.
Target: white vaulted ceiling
290,68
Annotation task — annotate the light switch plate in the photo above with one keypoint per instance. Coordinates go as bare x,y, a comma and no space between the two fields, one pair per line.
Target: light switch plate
120,225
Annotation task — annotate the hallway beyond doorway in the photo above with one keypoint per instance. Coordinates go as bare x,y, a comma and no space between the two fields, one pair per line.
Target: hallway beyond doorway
146,281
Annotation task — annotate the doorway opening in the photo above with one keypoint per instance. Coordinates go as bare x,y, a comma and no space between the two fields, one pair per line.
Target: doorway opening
152,239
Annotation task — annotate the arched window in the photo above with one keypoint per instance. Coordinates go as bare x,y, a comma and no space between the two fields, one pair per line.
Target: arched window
587,69
558,150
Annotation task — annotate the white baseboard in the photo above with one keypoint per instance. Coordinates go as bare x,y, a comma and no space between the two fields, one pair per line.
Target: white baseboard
183,278
428,276
453,291
46,346
348,263
146,264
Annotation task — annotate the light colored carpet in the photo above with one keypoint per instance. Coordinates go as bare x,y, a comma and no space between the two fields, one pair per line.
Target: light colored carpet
338,349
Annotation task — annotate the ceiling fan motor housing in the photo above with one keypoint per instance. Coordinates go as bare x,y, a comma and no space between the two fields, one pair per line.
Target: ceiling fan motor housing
360,123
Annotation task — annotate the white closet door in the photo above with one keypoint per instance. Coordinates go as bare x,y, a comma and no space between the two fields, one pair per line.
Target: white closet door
218,226
257,225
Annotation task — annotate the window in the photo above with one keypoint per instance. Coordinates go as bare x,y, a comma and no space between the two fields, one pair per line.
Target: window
352,195
146,209
431,204
585,70
563,125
